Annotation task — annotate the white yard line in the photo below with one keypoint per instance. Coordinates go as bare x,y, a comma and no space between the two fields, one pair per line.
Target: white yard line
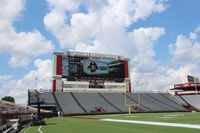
155,123
39,129
25,130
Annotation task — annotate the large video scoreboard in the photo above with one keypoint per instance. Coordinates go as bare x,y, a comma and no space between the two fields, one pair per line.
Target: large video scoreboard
87,66
92,67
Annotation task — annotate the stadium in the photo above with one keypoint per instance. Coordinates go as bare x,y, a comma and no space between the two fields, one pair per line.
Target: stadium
91,92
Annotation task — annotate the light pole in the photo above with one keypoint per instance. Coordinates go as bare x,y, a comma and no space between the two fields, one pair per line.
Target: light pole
38,120
37,95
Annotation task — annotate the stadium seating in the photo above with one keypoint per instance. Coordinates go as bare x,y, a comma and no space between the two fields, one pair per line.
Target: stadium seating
193,100
117,100
68,103
180,100
87,102
134,98
12,108
90,101
169,104
46,98
152,103
177,104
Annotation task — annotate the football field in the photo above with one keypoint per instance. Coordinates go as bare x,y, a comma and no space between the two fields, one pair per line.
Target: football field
179,122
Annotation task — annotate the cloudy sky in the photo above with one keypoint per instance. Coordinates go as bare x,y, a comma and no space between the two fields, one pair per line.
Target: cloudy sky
161,38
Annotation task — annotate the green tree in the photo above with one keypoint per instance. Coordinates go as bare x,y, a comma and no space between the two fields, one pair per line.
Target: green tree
9,99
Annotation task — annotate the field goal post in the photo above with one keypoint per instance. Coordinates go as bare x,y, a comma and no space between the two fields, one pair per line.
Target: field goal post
130,105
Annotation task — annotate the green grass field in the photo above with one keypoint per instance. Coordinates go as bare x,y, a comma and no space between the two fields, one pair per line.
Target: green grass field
94,124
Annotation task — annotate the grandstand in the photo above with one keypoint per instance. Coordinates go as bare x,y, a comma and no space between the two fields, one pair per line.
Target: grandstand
14,116
189,93
90,102
47,100
8,108
84,83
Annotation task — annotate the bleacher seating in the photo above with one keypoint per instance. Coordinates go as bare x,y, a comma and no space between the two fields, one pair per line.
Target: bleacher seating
12,108
134,98
68,103
152,103
46,98
90,101
117,100
174,102
87,102
170,105
193,100
180,100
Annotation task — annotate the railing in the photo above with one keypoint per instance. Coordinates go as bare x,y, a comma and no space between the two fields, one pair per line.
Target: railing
6,127
103,90
45,90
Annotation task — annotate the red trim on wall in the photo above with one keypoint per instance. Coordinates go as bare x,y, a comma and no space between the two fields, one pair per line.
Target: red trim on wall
187,92
59,65
126,69
54,85
186,85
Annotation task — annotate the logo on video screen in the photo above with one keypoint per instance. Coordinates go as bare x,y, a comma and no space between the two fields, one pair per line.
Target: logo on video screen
92,67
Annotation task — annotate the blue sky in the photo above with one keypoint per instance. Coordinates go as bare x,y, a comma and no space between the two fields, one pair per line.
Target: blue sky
161,38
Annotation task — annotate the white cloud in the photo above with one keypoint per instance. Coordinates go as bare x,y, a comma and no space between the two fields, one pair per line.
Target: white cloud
186,49
38,78
185,61
19,45
178,75
102,29
144,8
112,16
197,30
4,85
18,61
69,5
9,10
193,36
164,79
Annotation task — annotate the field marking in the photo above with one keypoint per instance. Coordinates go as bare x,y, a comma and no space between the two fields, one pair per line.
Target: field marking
155,123
167,117
25,130
39,129
21,130
84,118
174,115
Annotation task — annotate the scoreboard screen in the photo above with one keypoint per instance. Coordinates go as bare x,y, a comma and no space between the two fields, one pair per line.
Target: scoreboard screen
93,70
88,68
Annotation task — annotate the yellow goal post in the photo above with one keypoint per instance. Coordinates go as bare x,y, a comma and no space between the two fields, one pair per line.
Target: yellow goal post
127,104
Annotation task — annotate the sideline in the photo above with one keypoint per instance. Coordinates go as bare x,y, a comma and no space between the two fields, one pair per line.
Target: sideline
155,123
39,129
